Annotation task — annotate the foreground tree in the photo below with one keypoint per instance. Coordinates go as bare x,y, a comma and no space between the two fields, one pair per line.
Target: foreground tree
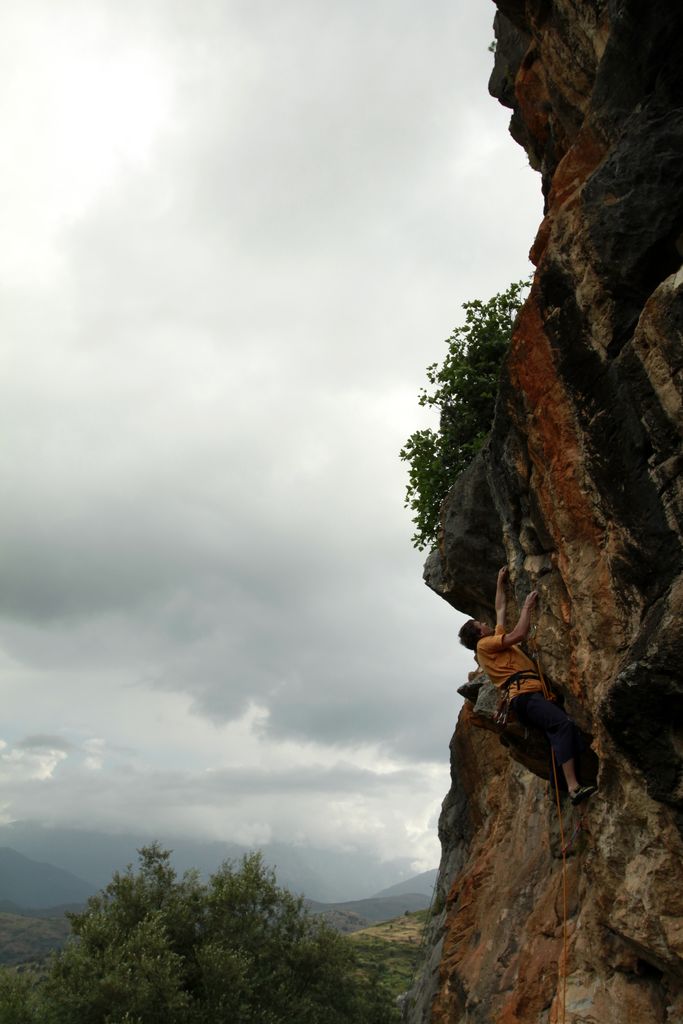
155,949
464,393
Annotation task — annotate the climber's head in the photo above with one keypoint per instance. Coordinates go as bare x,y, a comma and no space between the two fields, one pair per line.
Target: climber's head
471,633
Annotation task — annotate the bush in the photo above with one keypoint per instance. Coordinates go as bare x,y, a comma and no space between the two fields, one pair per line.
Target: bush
155,949
464,392
16,998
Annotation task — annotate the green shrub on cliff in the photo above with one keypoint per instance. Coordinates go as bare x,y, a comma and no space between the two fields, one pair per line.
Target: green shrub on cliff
464,393
155,949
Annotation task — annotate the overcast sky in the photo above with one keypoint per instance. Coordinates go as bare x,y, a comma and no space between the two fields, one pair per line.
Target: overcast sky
235,232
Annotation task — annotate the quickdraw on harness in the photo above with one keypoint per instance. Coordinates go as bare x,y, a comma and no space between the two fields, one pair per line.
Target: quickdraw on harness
504,711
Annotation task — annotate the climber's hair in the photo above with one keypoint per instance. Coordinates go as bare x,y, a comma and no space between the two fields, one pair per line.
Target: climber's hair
470,635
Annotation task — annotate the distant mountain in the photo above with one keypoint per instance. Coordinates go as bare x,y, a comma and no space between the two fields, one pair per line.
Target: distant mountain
423,883
29,883
321,874
353,915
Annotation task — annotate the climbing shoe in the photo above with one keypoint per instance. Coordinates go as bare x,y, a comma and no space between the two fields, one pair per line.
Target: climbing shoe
582,793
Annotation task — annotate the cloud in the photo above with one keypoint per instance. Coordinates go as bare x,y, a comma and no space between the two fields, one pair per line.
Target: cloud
319,801
42,742
222,303
20,765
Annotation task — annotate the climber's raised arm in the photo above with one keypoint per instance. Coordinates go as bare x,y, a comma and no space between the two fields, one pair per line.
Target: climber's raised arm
472,631
521,630
501,600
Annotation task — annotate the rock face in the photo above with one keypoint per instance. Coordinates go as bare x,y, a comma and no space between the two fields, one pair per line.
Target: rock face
580,492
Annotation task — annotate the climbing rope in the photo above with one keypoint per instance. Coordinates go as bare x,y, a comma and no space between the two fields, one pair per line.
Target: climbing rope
564,891
533,647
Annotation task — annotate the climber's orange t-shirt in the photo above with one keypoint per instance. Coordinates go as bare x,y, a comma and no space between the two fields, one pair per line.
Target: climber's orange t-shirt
500,663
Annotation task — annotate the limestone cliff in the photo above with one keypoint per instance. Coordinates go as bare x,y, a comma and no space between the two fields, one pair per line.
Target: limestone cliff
580,492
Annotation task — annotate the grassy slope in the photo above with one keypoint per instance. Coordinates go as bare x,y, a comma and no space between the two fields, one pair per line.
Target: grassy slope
392,950
24,939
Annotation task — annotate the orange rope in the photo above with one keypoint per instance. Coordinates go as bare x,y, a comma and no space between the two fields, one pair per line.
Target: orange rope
564,892
546,694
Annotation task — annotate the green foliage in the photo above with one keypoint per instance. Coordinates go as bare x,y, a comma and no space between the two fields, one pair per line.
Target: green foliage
155,949
464,391
16,998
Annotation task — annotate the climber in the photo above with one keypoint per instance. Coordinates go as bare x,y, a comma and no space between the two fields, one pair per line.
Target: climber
505,664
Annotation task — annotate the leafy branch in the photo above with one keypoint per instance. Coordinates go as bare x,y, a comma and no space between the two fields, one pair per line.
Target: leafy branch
464,390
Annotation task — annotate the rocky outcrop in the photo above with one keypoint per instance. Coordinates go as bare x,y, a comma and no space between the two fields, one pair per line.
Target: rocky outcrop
580,492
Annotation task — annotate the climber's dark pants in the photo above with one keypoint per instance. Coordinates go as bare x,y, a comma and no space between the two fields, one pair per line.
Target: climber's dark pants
564,737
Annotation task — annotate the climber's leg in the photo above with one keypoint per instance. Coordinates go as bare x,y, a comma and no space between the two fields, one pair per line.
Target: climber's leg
563,735
570,775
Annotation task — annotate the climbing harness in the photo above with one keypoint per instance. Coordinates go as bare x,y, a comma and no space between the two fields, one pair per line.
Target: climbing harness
504,713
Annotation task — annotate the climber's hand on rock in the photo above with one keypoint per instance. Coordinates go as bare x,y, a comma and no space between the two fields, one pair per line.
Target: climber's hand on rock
503,574
531,600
